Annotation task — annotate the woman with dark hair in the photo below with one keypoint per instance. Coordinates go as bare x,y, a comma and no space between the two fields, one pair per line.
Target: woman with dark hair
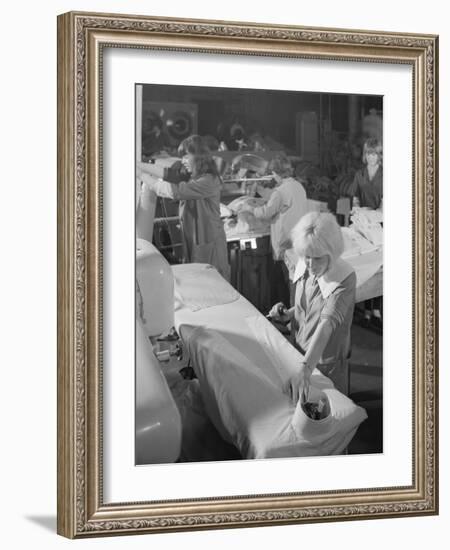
367,186
204,238
368,193
285,206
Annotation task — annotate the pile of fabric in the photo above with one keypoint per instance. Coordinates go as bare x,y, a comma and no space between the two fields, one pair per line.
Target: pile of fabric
368,222
355,243
244,223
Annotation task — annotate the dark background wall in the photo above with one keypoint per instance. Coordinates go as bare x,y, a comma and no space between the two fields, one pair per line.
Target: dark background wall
268,112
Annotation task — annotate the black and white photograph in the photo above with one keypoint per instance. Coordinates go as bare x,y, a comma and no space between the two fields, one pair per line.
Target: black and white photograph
259,274
224,253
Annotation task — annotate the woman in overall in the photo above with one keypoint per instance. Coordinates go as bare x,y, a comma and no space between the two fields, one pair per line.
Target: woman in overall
324,303
367,191
204,238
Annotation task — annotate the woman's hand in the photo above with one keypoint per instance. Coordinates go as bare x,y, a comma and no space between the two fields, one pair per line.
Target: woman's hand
246,208
299,382
147,197
148,182
279,312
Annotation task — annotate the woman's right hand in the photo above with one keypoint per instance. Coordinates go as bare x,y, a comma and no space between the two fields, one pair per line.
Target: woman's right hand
279,312
298,383
246,208
147,190
149,186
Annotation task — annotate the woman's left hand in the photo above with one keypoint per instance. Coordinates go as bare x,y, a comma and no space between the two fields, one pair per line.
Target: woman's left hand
298,382
148,181
246,208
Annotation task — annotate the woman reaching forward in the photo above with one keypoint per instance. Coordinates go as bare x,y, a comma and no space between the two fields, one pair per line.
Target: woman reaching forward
324,303
204,238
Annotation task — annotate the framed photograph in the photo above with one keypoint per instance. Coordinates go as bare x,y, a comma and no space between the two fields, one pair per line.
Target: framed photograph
247,283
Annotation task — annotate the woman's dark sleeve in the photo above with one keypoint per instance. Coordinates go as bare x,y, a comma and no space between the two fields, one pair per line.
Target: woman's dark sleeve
200,188
354,190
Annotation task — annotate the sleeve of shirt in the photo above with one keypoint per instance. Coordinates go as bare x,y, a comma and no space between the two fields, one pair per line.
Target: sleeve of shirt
164,189
339,301
270,209
380,182
200,188
354,190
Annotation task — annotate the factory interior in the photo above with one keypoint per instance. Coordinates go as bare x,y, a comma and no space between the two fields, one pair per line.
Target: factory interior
209,337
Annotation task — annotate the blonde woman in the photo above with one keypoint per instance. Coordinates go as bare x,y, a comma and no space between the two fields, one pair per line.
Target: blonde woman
324,302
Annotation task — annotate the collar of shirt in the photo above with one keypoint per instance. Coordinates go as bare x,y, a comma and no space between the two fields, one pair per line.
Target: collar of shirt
330,280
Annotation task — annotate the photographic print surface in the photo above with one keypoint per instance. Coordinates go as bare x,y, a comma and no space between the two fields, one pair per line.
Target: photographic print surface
259,274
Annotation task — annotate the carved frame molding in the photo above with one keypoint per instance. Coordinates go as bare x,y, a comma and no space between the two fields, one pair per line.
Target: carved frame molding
81,39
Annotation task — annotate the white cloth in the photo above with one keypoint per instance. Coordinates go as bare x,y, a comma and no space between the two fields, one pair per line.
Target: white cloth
368,223
246,224
366,266
241,362
246,403
355,244
225,212
344,416
237,204
199,286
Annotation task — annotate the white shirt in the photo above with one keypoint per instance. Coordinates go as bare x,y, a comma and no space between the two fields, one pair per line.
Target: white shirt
285,207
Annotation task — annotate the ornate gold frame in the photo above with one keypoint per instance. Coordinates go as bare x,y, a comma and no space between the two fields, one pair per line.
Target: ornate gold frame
81,37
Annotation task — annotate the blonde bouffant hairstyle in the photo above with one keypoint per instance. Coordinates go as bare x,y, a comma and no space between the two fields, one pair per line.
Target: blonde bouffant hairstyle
318,234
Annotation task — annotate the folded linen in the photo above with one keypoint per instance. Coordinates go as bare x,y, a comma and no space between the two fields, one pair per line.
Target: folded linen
200,286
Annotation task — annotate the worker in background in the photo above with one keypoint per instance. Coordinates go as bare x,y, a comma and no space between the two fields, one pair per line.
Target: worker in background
285,206
367,187
324,303
238,139
204,238
367,191
155,140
